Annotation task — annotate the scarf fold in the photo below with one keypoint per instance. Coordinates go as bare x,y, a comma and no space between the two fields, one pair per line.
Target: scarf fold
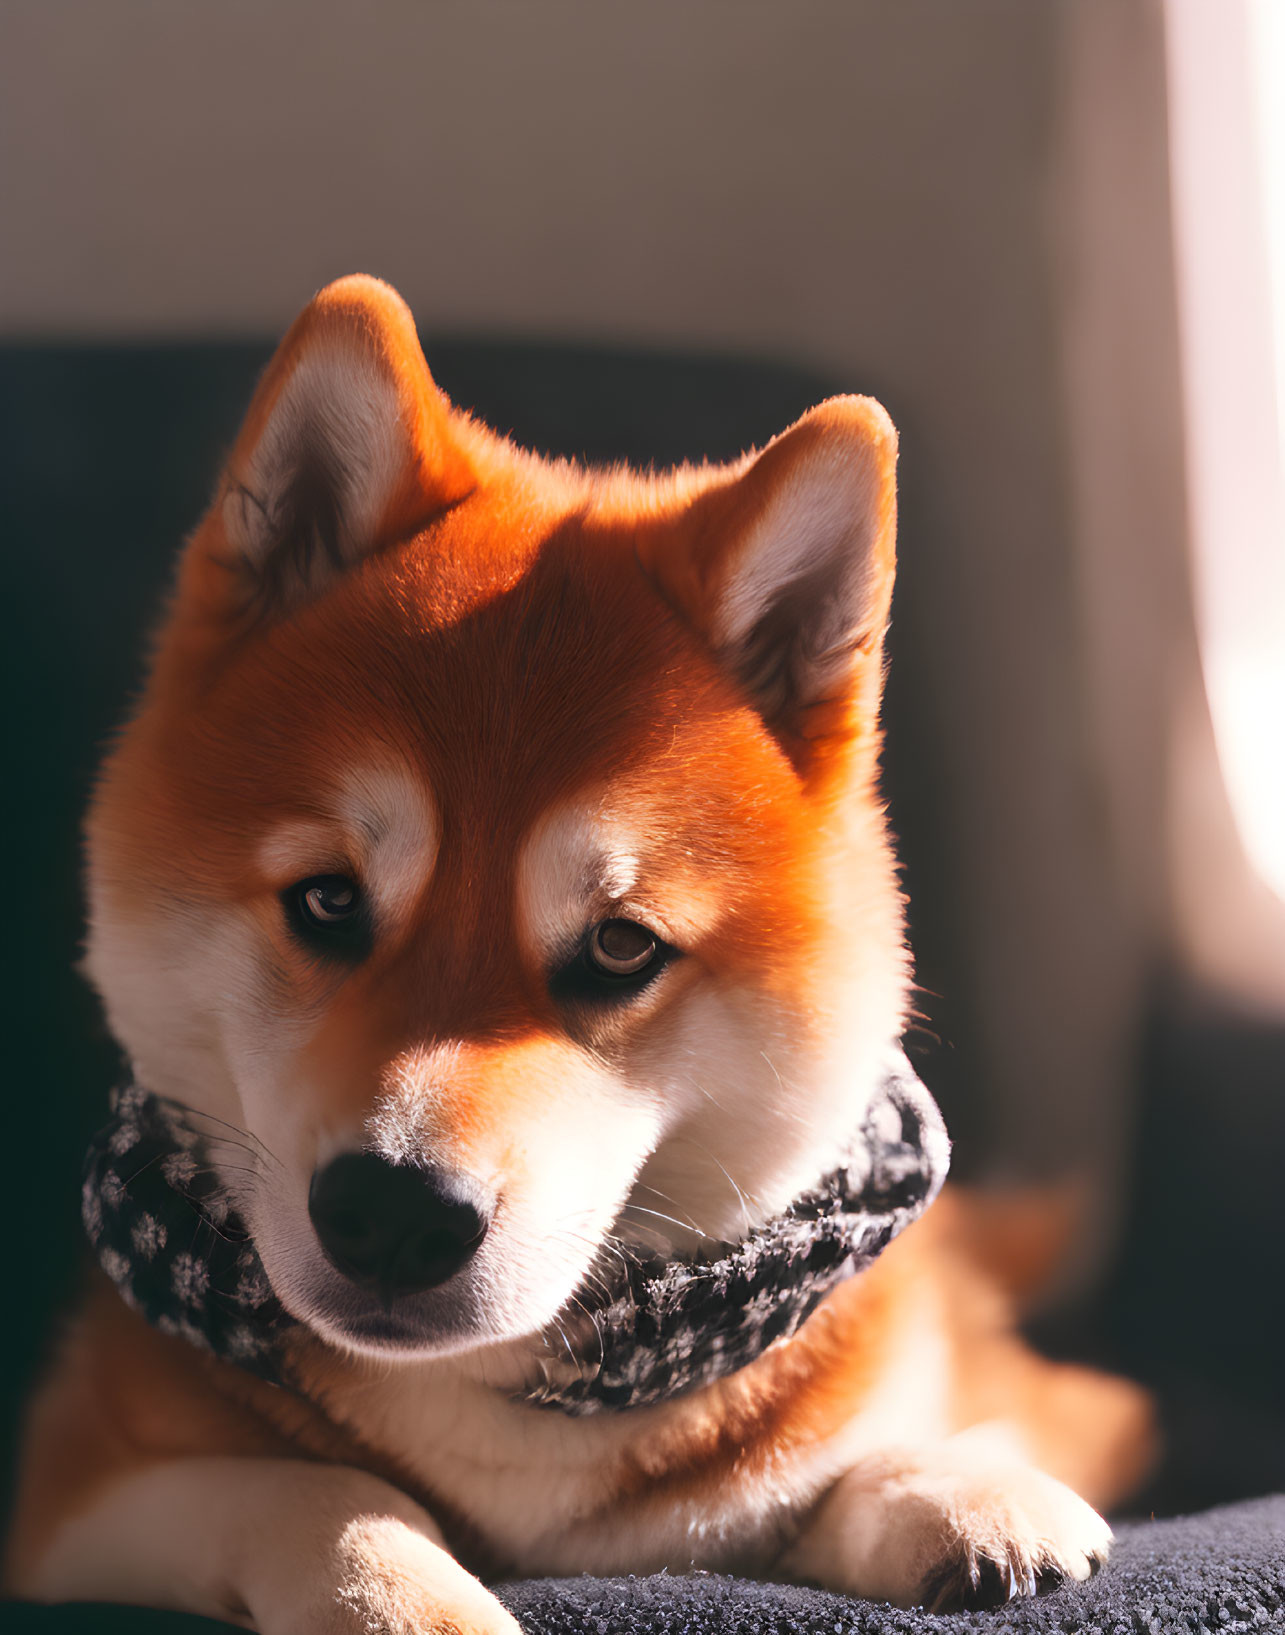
647,1328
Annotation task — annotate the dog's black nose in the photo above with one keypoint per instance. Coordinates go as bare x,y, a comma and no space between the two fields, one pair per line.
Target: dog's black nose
396,1228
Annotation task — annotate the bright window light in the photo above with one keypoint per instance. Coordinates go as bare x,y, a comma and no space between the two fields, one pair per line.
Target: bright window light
1254,755
1227,80
1267,55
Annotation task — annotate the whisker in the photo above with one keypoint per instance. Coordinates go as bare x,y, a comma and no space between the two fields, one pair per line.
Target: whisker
780,1081
646,1186
686,1226
227,1141
593,1321
741,1196
213,1118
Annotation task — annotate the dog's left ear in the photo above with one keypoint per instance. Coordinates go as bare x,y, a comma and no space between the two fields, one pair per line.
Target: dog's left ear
786,568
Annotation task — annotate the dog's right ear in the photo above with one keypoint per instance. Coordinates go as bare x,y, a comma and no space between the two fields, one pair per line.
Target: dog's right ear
347,446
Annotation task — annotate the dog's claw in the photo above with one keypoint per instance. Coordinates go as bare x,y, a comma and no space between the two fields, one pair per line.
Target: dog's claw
974,1583
983,1584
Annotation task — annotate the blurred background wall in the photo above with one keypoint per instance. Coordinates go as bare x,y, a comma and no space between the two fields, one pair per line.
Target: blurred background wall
963,208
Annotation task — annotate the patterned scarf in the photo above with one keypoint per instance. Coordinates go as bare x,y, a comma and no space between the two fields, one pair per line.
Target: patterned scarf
652,1326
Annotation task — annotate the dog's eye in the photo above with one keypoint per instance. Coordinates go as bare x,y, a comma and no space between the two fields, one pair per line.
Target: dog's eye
622,948
617,960
328,900
327,912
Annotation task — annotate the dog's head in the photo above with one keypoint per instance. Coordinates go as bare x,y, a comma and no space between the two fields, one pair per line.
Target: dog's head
496,850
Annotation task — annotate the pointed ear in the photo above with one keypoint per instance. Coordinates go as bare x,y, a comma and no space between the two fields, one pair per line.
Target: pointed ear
347,446
786,568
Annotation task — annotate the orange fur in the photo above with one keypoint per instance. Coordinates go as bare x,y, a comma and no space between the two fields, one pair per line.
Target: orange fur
523,659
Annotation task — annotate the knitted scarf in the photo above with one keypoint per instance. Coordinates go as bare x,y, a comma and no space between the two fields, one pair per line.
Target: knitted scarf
651,1326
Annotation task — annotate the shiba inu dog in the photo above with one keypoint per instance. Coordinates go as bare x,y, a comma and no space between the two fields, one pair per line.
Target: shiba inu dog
493,886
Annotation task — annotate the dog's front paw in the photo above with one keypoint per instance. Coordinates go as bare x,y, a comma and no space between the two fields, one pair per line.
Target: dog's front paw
947,1530
394,1581
1008,1533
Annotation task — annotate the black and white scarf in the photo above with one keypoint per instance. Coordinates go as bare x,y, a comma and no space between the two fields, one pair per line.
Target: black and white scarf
166,1231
